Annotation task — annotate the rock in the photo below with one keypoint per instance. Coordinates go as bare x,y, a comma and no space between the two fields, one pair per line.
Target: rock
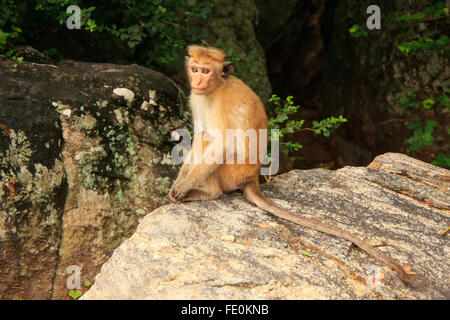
229,249
79,165
229,23
30,54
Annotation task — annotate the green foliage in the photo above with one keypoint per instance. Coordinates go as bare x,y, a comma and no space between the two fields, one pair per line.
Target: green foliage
158,30
443,100
282,122
411,17
75,294
428,103
437,10
425,44
147,32
287,126
7,50
54,54
87,283
326,126
11,28
423,134
356,31
442,160
408,101
151,33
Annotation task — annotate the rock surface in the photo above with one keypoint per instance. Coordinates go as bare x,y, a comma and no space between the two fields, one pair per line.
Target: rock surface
229,249
83,156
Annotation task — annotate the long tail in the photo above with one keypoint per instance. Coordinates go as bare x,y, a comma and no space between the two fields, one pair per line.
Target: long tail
254,195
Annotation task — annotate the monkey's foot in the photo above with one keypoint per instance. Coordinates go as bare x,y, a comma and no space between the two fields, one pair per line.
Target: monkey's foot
179,190
172,199
197,194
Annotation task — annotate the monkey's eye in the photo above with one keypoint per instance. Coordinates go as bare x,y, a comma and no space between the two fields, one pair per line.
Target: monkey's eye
194,69
205,71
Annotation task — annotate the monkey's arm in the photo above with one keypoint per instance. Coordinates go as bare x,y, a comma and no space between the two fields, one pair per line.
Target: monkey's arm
193,173
195,148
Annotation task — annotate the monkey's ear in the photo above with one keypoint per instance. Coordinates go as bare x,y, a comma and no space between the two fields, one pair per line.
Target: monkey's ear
228,68
186,59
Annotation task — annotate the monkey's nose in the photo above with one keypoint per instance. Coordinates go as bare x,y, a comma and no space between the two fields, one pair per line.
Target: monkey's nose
198,84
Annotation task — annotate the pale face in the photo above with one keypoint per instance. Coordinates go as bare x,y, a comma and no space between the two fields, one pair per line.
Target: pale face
203,77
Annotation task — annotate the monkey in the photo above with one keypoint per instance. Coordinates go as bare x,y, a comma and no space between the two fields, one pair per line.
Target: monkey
221,101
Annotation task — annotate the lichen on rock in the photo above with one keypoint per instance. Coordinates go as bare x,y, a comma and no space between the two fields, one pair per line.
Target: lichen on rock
77,162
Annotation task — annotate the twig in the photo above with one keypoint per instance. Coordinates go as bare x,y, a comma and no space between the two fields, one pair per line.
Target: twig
398,120
401,24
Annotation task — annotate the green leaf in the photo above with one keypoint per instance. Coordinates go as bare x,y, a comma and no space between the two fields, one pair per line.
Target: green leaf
75,294
428,103
306,253
87,283
354,28
431,123
430,11
283,117
442,160
415,146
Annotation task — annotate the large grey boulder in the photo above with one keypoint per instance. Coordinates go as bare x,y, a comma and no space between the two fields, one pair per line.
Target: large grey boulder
229,249
84,154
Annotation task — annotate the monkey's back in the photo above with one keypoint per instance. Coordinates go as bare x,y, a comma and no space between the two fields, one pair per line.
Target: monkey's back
242,110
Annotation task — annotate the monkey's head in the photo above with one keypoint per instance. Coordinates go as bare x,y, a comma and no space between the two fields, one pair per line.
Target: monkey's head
206,68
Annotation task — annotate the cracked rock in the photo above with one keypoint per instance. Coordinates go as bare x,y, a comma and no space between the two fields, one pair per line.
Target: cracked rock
229,249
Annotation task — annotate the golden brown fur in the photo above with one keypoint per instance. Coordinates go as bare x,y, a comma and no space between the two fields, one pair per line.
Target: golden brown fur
206,54
219,101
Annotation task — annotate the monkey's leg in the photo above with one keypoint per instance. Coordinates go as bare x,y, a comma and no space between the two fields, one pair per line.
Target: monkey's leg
185,168
198,194
210,190
198,173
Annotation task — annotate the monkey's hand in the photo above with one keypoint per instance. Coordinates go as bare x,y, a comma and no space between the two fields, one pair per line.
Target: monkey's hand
179,191
171,198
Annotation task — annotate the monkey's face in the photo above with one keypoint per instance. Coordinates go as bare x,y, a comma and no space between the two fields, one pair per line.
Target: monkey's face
203,77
